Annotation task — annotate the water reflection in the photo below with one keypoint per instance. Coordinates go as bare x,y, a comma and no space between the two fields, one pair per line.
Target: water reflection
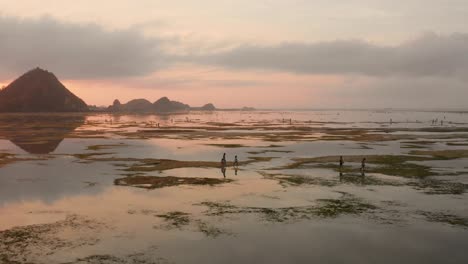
38,134
223,171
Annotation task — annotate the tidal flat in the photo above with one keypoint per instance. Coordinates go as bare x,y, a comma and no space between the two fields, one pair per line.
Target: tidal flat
103,188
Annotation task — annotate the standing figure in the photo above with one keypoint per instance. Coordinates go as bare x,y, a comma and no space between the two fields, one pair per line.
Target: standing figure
223,171
223,160
236,162
341,162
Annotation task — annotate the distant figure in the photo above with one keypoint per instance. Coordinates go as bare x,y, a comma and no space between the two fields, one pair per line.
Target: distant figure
236,162
363,165
290,121
341,162
223,160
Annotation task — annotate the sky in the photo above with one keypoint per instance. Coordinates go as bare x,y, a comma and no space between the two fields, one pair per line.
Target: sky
262,53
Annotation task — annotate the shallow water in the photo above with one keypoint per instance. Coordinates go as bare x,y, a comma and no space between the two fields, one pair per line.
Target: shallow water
60,201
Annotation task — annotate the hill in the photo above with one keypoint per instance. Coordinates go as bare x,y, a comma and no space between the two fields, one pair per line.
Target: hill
39,91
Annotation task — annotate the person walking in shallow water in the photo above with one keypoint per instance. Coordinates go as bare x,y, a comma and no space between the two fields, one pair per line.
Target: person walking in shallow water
223,160
236,162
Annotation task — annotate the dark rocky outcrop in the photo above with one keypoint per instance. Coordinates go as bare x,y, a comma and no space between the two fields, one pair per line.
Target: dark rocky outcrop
39,91
138,105
163,105
207,107
166,105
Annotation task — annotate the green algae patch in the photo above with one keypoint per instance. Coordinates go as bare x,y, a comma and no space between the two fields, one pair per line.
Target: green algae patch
86,156
446,218
269,151
135,258
176,219
261,159
151,182
149,165
227,145
332,208
431,186
105,146
442,154
180,220
394,165
457,144
21,244
349,178
7,159
325,208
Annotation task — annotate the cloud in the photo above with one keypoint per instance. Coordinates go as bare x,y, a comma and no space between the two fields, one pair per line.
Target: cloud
88,51
427,55
76,51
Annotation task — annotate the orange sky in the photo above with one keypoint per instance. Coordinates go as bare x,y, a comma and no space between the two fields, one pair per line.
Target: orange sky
200,85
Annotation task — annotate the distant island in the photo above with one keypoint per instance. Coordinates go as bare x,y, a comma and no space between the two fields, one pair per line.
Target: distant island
39,90
163,105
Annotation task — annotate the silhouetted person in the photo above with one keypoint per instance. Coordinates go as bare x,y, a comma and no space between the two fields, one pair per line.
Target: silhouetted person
341,162
223,160
236,162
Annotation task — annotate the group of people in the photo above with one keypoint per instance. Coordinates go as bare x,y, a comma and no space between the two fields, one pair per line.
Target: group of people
224,164
363,165
436,121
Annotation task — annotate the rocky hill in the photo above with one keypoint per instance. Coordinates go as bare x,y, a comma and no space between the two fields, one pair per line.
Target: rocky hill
39,91
166,105
163,105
